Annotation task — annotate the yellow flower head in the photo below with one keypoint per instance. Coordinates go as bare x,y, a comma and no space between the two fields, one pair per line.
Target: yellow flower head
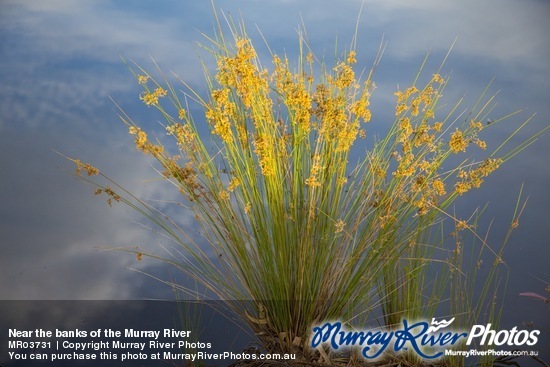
181,113
438,79
90,170
233,184
339,226
439,187
476,125
458,143
351,57
149,98
437,126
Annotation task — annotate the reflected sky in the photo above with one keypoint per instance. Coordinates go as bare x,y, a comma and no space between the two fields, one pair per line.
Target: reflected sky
60,63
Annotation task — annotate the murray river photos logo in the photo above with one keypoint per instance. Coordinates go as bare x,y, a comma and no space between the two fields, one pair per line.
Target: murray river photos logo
429,341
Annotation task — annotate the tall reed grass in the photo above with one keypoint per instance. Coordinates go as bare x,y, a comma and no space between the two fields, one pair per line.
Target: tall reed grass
296,223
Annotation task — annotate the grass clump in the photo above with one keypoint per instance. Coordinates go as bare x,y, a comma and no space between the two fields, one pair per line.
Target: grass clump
292,224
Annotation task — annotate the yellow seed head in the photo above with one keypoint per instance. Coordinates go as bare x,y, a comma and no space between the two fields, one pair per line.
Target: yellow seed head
149,98
351,57
233,184
476,125
90,170
181,113
458,143
339,226
439,187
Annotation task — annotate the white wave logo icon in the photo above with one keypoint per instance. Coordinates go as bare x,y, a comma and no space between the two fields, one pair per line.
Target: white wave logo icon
439,325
